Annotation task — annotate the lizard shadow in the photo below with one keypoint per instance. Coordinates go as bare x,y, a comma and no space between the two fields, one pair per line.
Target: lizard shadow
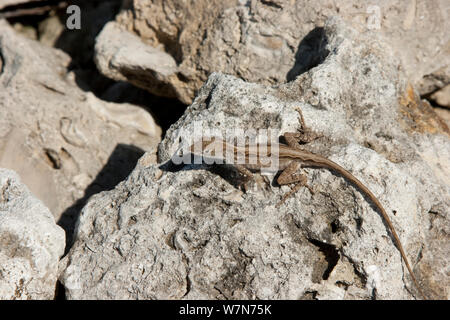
227,172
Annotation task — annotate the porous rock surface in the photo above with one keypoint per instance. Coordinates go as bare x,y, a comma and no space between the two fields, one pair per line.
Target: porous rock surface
30,243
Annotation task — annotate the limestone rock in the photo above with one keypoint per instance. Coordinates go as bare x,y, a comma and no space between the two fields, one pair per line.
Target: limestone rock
444,114
434,81
267,42
188,231
30,243
117,54
64,143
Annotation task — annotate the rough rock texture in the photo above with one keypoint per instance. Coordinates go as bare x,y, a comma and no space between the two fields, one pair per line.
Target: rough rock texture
444,114
30,243
189,232
262,41
64,143
435,81
120,50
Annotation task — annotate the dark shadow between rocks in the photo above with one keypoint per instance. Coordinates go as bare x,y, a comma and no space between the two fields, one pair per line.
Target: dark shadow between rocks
1,62
310,53
120,164
330,253
80,45
165,111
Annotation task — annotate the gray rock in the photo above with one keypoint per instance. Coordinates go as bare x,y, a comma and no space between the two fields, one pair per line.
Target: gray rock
64,143
434,81
189,232
444,114
267,42
30,243
117,52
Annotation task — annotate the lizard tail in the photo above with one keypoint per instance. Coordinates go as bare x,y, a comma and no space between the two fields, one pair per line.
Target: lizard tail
335,167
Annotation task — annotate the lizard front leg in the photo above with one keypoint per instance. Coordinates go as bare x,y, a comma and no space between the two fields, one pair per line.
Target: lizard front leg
305,135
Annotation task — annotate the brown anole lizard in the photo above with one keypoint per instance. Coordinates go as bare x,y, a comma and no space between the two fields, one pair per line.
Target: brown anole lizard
290,157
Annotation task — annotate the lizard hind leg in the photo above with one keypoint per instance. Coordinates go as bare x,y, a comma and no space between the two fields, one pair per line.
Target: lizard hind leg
289,176
245,177
248,181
